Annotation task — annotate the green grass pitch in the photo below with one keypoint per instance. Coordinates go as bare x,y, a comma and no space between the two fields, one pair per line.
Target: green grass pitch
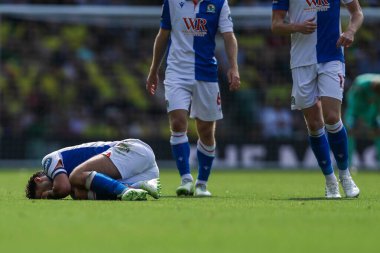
251,211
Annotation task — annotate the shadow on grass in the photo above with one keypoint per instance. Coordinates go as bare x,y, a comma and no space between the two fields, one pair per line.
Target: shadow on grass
315,199
187,197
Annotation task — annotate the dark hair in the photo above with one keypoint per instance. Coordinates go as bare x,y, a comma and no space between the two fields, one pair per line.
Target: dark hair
30,189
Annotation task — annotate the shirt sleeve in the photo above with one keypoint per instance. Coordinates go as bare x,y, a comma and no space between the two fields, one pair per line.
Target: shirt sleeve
49,165
165,16
283,5
225,19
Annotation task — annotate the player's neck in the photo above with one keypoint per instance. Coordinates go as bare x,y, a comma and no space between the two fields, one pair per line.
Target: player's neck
195,2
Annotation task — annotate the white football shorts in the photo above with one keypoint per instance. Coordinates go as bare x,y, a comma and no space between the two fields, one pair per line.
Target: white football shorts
315,81
201,98
134,159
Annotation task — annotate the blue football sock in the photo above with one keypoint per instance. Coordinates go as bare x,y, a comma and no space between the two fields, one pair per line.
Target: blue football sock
339,146
321,149
103,185
181,154
205,161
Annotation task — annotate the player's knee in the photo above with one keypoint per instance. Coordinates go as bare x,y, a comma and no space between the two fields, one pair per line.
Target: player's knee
331,118
78,178
178,125
314,124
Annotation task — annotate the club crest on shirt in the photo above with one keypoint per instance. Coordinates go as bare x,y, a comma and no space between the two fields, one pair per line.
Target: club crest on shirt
181,4
210,8
317,5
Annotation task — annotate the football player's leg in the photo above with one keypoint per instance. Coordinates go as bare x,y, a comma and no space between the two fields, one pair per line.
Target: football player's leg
139,168
179,142
178,99
205,154
305,97
99,175
320,146
206,109
331,83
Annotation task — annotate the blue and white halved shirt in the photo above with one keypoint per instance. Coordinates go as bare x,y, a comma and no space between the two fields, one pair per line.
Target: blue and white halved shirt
320,46
192,40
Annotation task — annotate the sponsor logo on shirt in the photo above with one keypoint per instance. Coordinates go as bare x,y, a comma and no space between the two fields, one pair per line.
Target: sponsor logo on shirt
317,5
47,164
195,26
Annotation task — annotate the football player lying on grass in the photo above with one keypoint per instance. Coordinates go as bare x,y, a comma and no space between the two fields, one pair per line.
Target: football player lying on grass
125,170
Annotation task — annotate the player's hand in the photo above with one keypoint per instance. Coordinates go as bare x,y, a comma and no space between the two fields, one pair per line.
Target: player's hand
152,83
345,39
307,27
233,79
46,194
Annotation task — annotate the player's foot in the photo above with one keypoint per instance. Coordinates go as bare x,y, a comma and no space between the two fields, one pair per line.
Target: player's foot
349,187
332,190
186,188
153,187
201,191
134,194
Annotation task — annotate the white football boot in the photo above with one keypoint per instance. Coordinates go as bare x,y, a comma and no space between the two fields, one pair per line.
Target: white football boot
201,191
153,187
134,194
186,188
349,187
332,190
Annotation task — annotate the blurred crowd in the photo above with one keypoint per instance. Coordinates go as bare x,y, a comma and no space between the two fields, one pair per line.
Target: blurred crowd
156,2
70,81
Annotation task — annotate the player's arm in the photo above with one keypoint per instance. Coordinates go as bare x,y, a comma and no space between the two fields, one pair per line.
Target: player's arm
231,46
53,168
279,26
356,20
225,26
159,48
61,188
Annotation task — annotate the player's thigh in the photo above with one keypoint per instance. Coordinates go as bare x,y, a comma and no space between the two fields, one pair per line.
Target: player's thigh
148,174
178,94
132,157
304,90
331,79
206,103
99,163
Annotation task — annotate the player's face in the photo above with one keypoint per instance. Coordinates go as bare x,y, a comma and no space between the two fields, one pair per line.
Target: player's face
43,184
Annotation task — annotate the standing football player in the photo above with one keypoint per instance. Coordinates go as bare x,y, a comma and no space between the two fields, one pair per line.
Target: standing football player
187,31
318,72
